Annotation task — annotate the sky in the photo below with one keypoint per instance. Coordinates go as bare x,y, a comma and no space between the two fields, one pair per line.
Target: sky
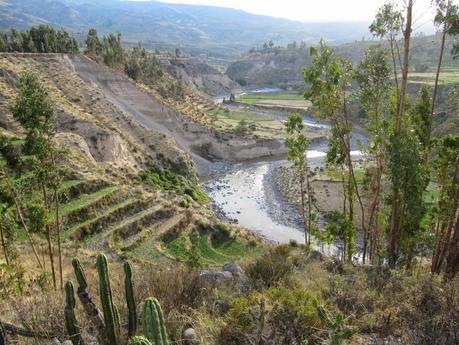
315,10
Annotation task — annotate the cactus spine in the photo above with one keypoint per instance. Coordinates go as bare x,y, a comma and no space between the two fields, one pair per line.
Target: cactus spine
70,319
153,327
110,312
139,341
130,299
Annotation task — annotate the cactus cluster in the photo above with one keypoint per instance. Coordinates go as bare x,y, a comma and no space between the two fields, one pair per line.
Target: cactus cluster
108,324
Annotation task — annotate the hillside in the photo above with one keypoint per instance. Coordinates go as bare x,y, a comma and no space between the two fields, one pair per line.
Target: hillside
218,32
283,66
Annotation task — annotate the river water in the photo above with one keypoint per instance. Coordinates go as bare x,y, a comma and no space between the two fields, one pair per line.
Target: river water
246,194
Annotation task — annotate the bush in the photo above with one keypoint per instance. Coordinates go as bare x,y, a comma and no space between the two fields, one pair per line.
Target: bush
271,268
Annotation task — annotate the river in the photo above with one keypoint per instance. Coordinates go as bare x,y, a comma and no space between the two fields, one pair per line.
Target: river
246,194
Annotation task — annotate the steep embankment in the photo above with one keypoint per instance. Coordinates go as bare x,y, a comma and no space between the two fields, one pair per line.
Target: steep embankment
204,144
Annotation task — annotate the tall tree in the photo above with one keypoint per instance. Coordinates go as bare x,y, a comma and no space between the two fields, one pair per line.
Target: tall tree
401,109
329,79
297,144
34,110
373,77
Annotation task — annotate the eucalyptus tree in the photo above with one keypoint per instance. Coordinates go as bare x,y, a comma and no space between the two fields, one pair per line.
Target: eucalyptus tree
373,77
297,144
388,24
34,110
329,79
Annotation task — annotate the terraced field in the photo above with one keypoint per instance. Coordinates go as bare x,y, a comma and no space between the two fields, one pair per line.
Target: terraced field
276,100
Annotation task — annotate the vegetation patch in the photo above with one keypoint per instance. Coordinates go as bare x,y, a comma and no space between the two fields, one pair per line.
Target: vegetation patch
170,181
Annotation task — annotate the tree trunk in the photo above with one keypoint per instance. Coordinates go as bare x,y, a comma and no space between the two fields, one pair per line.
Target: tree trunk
48,238
302,206
308,188
452,261
5,251
442,235
21,217
58,230
445,239
393,233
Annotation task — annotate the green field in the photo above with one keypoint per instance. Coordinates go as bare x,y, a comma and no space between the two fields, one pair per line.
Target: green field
257,97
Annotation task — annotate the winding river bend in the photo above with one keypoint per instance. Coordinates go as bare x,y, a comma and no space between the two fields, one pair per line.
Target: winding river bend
247,194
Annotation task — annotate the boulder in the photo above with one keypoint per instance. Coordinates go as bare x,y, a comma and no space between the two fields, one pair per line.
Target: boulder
233,268
215,278
190,337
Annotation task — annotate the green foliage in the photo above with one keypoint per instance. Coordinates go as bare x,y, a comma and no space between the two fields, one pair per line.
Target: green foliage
40,39
421,119
337,326
9,153
339,227
33,107
112,51
143,66
38,217
296,142
153,322
93,45
278,315
168,180
388,21
139,341
271,268
130,299
108,307
71,324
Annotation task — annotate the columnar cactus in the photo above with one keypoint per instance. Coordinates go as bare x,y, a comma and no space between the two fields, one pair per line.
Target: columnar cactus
70,319
130,299
80,274
139,341
110,313
153,322
90,308
3,340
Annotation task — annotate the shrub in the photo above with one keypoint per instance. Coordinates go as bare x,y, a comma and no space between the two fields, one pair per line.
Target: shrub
271,268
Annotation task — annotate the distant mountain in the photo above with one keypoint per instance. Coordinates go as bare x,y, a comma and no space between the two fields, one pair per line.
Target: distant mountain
222,32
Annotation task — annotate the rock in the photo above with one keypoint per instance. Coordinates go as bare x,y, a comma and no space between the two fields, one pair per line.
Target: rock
190,337
55,341
233,268
215,278
67,342
221,306
316,255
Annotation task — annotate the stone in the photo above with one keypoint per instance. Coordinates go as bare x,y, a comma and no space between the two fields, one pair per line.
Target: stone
215,278
190,337
316,255
233,268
